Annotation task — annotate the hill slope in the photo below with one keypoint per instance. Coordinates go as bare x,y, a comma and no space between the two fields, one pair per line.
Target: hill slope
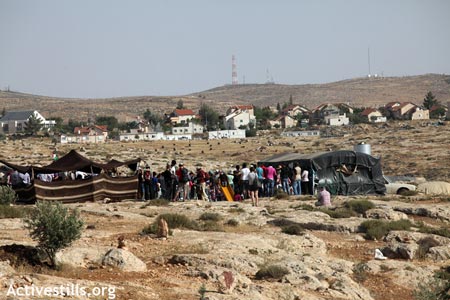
356,92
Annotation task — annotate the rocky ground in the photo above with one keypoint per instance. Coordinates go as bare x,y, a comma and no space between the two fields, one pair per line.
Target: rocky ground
329,259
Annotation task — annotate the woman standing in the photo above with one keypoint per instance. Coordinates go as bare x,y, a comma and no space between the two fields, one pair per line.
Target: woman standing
253,186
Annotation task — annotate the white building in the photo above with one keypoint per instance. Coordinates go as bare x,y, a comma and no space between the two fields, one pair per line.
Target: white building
239,115
336,120
189,128
15,121
309,133
227,134
136,135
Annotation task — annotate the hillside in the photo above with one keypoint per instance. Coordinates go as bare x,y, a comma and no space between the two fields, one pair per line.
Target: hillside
356,92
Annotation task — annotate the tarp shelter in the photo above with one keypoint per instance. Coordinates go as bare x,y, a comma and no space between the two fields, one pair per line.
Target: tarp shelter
342,172
98,186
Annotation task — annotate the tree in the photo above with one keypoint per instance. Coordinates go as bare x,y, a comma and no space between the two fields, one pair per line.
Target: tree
33,125
291,101
110,121
210,118
263,116
152,118
429,101
54,227
180,104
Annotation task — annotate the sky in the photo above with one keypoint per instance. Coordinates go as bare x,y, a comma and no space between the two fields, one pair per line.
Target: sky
112,48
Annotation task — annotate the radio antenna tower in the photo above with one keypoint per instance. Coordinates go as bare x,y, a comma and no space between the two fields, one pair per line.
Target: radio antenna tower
234,77
368,60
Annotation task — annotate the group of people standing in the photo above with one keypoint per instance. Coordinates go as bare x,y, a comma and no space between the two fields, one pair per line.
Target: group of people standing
176,182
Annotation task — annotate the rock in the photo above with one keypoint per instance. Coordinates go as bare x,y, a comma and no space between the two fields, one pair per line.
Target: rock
163,229
124,260
6,269
385,214
439,253
81,257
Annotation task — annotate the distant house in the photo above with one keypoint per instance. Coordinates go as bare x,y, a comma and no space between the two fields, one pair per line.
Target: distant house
331,114
137,135
227,134
88,134
373,115
294,110
189,128
283,121
239,116
182,116
407,111
15,121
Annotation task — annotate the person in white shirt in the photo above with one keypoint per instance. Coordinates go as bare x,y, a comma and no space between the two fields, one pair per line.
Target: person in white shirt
244,177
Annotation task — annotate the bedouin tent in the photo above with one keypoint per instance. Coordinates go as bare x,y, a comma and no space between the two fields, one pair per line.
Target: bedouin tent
96,187
343,172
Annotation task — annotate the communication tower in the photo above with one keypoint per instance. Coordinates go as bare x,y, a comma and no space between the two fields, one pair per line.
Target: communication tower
234,77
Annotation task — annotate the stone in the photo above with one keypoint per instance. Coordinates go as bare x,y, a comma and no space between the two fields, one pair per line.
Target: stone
163,228
124,260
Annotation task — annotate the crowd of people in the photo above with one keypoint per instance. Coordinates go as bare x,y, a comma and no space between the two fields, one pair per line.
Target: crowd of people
177,183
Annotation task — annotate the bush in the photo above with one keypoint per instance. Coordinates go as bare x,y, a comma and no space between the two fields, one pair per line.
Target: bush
339,213
54,227
232,222
280,194
374,229
177,221
208,216
377,229
359,206
210,226
294,229
271,272
7,195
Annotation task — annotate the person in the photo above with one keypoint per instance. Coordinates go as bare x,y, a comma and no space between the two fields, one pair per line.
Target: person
297,180
270,181
167,183
323,197
147,183
202,177
285,174
141,186
305,182
244,178
253,186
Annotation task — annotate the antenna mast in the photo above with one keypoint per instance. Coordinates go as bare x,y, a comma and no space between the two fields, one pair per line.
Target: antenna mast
368,59
234,77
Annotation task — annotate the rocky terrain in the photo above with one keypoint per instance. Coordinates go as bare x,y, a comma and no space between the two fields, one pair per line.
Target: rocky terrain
237,251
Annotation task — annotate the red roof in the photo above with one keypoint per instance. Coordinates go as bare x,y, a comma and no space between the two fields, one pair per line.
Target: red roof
85,130
184,112
368,111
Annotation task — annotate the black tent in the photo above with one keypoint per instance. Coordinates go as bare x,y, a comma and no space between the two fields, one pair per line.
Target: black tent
343,172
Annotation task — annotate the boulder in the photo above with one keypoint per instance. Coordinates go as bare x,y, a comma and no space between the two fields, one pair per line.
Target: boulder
124,260
385,214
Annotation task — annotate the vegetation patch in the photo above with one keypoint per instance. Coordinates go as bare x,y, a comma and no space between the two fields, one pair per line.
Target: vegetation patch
271,272
294,229
7,195
424,246
377,229
338,213
359,206
7,211
232,222
208,216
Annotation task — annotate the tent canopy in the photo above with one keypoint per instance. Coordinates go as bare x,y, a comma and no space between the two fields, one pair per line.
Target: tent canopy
343,172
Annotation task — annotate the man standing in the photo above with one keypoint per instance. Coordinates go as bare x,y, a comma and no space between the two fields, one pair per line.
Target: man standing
270,180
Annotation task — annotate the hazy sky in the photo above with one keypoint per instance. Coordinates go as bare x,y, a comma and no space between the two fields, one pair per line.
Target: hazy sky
105,48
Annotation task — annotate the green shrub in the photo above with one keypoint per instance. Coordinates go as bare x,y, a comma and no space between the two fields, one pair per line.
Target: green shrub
377,229
208,216
304,207
359,206
339,213
150,229
54,227
236,210
271,272
7,195
374,229
294,229
432,289
177,221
